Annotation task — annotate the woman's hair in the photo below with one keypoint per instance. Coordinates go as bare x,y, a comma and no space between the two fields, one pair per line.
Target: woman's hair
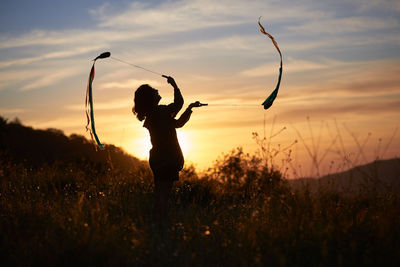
145,99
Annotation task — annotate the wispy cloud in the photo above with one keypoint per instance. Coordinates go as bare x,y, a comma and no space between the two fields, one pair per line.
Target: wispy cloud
290,67
179,15
336,108
188,16
128,84
12,78
165,19
51,55
348,25
12,111
84,37
109,105
366,5
50,78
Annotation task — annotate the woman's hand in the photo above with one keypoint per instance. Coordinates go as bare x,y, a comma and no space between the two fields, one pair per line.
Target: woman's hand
171,81
196,105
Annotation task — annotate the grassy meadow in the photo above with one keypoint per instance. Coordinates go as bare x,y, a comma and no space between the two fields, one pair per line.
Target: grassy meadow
238,213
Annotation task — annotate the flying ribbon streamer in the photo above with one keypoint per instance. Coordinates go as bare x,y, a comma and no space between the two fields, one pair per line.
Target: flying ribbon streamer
270,99
89,103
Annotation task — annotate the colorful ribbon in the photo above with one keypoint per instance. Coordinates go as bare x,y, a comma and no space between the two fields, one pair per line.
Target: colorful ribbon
89,104
270,99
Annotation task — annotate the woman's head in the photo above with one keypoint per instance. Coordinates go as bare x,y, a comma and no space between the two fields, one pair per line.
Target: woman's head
146,98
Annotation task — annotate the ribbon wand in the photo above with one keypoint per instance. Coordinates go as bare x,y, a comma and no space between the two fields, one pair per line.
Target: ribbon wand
90,126
89,103
270,99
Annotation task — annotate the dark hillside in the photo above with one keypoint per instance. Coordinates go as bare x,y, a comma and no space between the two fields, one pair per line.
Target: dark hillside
35,148
379,176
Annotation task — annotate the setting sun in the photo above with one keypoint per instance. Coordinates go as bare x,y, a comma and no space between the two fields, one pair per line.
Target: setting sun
184,141
141,146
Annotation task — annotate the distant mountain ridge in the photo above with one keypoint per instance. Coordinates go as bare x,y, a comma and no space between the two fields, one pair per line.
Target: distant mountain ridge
379,176
34,148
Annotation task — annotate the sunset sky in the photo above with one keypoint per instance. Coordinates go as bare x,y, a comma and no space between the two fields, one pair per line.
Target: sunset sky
340,88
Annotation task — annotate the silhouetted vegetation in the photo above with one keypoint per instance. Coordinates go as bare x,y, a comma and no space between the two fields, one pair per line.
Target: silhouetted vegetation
63,204
36,148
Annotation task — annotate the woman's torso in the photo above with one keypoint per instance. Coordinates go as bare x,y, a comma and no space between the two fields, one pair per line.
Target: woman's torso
165,146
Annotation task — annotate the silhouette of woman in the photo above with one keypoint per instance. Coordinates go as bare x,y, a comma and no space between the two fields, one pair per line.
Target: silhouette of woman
166,158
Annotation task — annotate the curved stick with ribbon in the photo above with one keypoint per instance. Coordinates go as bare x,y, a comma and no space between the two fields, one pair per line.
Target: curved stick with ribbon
270,99
89,103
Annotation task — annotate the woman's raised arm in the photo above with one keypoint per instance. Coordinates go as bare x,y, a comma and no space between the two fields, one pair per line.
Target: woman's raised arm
176,106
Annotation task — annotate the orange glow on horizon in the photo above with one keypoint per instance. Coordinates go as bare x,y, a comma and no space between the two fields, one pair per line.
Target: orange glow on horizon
140,147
